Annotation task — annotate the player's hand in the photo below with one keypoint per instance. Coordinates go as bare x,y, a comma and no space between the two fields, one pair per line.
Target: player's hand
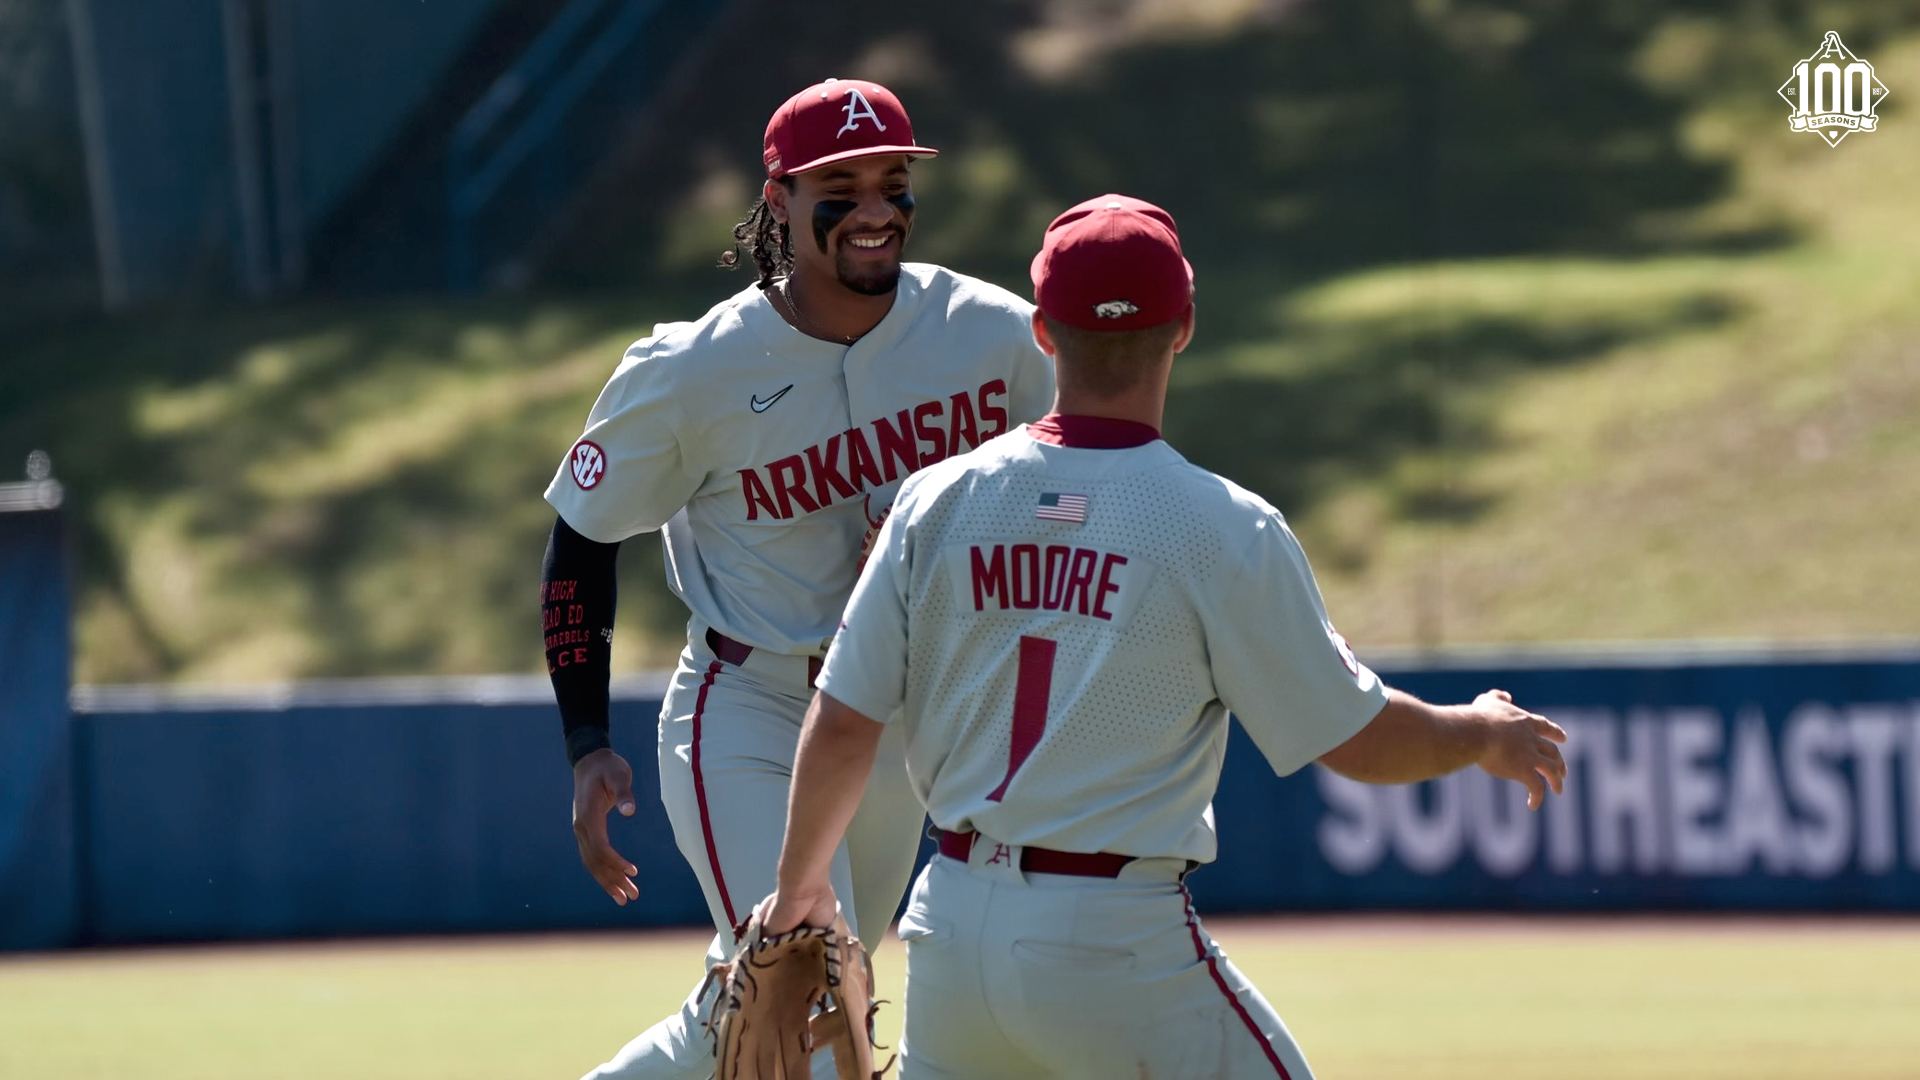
603,781
811,905
1522,747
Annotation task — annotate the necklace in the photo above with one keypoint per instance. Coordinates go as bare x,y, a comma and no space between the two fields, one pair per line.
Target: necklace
811,329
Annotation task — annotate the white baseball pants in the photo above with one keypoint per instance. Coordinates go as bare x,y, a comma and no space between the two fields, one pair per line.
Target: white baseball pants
1023,976
728,733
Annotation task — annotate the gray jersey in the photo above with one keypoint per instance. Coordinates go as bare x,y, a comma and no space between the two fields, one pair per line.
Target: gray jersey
1067,630
770,457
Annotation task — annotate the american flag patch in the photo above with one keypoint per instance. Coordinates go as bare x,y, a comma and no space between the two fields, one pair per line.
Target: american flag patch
1060,506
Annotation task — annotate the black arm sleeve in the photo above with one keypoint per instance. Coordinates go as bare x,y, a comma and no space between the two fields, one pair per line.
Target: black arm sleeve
576,614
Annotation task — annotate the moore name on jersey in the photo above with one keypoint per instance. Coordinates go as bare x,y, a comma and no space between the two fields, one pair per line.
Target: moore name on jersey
1054,578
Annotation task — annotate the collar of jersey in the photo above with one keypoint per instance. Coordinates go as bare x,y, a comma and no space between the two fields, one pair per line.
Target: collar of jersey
758,311
1091,432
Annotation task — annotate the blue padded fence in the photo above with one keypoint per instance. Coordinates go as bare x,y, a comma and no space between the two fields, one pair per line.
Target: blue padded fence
39,893
321,817
1768,784
1760,784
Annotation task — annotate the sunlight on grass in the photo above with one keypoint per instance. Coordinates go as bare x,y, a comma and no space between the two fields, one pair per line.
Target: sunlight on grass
1695,440
1546,290
1432,999
287,536
1599,1000
1648,490
421,423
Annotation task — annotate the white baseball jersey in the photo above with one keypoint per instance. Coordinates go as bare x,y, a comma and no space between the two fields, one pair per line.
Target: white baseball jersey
1068,628
769,456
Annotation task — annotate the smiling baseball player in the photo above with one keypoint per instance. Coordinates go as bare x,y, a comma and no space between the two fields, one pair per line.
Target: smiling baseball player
1061,622
766,440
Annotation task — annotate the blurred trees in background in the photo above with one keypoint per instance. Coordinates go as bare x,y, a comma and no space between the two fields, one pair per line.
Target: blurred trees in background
1294,139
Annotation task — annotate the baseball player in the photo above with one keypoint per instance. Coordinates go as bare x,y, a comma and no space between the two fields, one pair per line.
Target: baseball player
766,441
1061,622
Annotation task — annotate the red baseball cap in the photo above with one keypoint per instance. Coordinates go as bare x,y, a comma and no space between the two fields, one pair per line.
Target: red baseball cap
1113,263
834,121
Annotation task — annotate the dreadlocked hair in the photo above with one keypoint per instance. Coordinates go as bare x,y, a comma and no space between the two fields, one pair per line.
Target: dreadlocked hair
769,242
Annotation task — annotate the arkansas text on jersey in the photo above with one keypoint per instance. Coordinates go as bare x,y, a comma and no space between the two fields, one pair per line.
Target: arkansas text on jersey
907,442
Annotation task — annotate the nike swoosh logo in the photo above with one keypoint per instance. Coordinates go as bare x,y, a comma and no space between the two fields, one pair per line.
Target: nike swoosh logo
763,406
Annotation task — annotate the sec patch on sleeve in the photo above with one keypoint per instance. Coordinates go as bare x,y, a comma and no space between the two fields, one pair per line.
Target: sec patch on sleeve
1345,650
588,464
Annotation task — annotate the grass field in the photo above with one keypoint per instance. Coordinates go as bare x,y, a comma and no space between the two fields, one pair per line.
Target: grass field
1413,999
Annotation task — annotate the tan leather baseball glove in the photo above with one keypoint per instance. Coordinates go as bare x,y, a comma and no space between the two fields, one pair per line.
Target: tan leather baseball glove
784,997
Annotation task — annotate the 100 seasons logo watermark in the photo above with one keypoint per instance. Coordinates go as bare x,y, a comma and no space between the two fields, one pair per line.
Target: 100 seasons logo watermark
1833,92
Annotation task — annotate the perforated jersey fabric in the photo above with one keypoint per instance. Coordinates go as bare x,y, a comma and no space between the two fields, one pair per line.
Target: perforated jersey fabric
1067,683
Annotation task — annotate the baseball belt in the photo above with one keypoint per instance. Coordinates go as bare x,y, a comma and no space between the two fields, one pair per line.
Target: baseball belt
734,652
1033,860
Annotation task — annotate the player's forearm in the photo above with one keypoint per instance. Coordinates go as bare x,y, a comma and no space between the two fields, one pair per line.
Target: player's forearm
1411,740
830,769
577,595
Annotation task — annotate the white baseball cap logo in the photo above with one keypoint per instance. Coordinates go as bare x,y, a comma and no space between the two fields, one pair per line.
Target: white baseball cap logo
858,109
589,464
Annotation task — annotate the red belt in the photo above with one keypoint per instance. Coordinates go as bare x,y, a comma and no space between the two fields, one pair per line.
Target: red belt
736,652
1040,860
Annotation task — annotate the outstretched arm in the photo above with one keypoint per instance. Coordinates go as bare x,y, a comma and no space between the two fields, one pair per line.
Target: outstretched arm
830,770
1411,740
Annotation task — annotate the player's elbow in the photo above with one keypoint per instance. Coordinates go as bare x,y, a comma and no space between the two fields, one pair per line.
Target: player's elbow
1357,759
832,719
1407,741
1378,753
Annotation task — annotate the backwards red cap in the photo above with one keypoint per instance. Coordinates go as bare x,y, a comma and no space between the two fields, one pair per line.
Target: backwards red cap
834,121
1112,263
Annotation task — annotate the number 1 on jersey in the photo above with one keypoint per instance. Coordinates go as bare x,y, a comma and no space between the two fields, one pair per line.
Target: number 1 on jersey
1031,689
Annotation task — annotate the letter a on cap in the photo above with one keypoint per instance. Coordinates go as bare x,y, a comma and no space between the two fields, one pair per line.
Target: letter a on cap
857,106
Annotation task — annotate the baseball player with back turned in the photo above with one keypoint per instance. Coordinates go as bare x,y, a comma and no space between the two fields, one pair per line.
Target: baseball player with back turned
1061,621
766,441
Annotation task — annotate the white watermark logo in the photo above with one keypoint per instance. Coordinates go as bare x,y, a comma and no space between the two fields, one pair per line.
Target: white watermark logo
1833,92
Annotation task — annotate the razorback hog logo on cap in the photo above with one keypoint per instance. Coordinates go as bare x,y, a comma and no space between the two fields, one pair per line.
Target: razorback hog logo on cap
858,107
1115,309
588,463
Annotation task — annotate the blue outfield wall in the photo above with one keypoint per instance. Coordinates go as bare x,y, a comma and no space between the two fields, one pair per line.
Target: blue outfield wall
38,887
1767,785
334,819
